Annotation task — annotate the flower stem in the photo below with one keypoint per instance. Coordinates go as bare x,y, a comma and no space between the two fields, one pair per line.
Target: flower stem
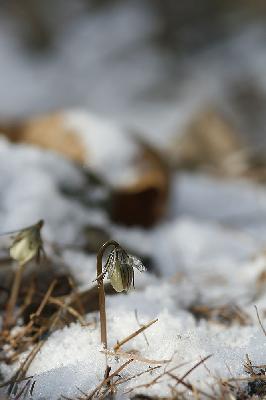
101,290
9,320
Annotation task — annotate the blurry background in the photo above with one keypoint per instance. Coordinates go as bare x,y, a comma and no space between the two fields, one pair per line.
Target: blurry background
155,114
147,63
187,78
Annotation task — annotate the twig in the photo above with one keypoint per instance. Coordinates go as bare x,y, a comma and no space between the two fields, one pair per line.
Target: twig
134,357
25,387
105,381
38,312
196,366
150,369
17,381
248,366
45,299
155,380
71,310
190,387
20,374
128,338
25,365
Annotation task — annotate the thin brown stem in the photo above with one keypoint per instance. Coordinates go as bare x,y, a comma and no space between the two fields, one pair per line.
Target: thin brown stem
9,320
128,338
30,324
101,289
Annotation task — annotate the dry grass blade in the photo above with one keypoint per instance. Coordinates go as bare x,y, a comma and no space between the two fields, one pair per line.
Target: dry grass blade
188,385
37,314
21,373
202,361
45,299
135,357
68,308
128,338
248,366
156,379
17,381
106,380
24,389
191,387
25,366
140,325
121,381
248,378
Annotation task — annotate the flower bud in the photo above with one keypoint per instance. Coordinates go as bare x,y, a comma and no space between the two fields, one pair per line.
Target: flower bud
120,267
122,277
27,244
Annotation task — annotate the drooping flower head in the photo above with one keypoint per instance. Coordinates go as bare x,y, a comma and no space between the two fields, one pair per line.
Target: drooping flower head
120,269
27,244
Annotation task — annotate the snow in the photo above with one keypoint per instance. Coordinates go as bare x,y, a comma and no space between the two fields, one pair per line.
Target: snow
72,359
208,251
201,253
243,200
30,185
203,256
110,151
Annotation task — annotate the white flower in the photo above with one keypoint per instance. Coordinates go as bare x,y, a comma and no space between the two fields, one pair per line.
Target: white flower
27,244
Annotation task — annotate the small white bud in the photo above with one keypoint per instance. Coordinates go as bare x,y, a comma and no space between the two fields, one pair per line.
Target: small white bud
27,244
